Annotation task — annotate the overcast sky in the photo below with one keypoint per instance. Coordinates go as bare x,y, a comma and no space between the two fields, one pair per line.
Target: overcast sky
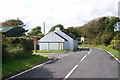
66,12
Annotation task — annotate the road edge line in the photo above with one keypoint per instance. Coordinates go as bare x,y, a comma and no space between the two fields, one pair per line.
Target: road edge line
28,70
112,55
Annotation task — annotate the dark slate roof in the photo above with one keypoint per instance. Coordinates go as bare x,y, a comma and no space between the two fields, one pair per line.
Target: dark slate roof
5,29
69,34
61,36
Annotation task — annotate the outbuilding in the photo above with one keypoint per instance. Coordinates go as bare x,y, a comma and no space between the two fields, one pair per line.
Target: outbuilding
58,40
6,30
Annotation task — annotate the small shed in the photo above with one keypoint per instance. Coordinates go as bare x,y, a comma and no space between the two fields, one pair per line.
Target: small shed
58,40
5,30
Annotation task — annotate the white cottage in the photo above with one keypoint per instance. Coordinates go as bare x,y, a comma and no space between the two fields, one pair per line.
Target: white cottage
58,40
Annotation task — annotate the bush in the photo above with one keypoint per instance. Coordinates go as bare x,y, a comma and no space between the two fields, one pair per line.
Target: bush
4,52
116,41
116,44
117,36
98,40
106,39
16,48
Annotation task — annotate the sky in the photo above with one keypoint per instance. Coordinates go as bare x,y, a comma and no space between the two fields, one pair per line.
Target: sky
66,12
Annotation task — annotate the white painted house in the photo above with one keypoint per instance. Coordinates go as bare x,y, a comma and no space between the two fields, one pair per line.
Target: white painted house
82,39
58,40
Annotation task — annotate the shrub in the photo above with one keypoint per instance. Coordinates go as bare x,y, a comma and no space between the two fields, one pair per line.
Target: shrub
106,39
16,48
116,44
116,41
117,36
98,40
4,52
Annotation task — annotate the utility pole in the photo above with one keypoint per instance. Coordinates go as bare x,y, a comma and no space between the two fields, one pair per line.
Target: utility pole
44,28
35,39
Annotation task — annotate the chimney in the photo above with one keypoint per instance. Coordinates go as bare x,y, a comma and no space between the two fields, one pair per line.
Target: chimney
57,28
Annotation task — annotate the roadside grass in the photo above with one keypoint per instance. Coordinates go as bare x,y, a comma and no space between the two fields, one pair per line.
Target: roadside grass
109,48
52,51
14,66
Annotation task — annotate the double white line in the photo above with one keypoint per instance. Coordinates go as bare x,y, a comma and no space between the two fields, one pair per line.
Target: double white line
75,67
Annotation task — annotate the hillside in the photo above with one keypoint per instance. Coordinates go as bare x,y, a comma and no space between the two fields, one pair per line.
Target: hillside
100,30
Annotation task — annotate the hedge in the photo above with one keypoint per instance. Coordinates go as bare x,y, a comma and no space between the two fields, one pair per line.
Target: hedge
116,44
16,47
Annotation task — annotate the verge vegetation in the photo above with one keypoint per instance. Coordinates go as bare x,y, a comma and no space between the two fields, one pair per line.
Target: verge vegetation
52,51
17,55
14,66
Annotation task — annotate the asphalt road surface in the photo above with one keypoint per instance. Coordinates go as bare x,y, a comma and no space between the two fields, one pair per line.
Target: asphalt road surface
85,63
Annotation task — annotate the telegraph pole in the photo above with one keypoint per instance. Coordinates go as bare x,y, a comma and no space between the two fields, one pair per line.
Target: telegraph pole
44,28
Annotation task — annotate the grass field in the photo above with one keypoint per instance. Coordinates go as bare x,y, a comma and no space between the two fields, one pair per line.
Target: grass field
52,51
14,66
109,48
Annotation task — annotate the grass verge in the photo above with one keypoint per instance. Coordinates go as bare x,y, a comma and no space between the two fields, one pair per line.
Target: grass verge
109,48
14,66
52,51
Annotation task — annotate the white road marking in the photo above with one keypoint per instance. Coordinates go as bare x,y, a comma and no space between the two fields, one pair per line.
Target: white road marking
29,69
83,58
117,60
114,57
86,55
110,53
48,62
59,57
55,59
89,51
76,66
66,54
62,56
70,72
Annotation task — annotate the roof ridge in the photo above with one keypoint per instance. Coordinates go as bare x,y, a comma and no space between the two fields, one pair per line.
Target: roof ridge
70,35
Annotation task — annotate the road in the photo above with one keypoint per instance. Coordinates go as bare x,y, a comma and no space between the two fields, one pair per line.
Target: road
83,64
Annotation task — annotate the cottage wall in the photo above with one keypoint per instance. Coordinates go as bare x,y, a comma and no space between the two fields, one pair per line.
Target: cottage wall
70,43
51,42
75,44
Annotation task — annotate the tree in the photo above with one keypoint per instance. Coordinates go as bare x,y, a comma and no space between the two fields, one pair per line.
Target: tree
73,31
98,29
110,27
58,25
78,30
18,27
36,32
13,22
